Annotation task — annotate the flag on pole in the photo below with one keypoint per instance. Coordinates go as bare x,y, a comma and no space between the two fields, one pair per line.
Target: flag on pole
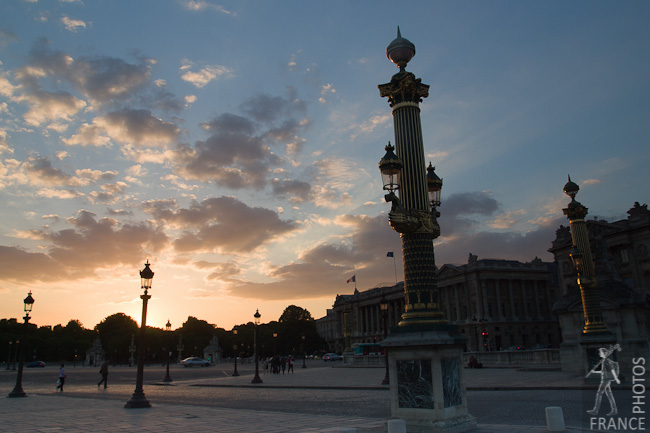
389,254
354,278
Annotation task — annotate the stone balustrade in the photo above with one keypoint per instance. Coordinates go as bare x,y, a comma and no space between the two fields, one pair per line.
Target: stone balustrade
515,357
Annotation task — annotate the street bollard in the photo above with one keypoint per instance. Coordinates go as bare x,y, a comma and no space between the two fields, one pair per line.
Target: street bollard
396,426
554,419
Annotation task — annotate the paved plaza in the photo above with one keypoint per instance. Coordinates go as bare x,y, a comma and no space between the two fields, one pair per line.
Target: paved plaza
84,409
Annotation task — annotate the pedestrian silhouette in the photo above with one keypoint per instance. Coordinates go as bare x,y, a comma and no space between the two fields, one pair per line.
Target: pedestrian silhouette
103,370
61,381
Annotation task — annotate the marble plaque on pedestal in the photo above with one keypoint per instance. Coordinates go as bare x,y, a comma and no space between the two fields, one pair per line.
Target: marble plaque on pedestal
415,384
451,391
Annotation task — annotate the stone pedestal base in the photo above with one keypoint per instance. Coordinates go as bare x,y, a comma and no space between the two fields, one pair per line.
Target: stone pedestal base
427,383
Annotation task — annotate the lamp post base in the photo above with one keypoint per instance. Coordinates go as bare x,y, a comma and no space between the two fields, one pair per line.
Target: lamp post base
17,392
138,400
257,379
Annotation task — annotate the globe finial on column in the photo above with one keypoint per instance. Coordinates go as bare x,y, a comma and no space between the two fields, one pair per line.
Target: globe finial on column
400,51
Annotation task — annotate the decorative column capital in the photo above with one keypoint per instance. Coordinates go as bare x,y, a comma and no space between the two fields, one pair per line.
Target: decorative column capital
575,211
404,87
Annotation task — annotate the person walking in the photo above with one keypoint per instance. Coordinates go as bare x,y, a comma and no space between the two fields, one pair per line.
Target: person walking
103,370
61,380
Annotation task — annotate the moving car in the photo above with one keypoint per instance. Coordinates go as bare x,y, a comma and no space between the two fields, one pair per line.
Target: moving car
35,364
332,357
195,360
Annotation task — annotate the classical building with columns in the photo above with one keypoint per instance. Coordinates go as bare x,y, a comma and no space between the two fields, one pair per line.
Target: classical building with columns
495,303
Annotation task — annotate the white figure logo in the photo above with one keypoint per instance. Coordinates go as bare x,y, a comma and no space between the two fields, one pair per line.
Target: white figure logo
608,373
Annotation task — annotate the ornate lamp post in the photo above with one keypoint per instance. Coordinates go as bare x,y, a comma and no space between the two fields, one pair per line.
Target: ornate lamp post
304,354
383,306
478,324
168,329
9,356
16,343
423,340
257,378
180,347
581,257
18,389
138,399
235,347
275,338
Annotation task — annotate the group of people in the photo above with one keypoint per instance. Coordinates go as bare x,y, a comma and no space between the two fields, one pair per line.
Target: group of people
278,363
103,370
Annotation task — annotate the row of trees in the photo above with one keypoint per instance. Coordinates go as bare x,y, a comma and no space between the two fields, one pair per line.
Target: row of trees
293,333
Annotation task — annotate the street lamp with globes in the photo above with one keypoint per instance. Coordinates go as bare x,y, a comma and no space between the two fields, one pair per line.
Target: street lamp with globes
18,389
138,399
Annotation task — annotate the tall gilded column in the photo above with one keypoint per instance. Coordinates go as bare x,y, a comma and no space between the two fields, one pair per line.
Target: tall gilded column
584,263
411,215
425,353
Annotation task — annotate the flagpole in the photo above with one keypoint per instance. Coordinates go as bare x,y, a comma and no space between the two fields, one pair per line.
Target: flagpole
395,268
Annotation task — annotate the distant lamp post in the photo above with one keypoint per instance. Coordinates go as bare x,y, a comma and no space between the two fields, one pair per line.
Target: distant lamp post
478,323
304,354
582,260
383,307
257,378
275,338
180,347
18,389
168,329
13,365
138,399
235,347
9,356
132,349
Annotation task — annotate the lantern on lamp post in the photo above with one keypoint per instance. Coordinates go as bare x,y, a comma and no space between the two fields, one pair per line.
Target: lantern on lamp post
168,329
257,378
18,389
235,347
138,399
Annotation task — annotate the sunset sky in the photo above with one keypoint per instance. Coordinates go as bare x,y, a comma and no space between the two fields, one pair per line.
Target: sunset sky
234,144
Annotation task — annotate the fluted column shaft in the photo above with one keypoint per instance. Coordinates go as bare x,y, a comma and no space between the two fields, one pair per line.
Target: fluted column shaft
593,316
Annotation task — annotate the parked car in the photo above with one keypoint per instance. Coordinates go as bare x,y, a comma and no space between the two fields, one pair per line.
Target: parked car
516,348
332,357
540,347
195,360
35,364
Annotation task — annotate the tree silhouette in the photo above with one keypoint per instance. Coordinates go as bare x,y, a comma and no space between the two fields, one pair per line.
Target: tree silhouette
115,334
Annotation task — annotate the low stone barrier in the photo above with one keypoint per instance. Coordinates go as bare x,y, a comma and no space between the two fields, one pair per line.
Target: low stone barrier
515,357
